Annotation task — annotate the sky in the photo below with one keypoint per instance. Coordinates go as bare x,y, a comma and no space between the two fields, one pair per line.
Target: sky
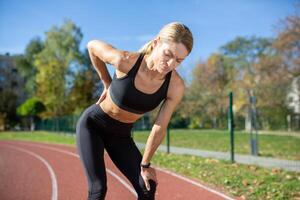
127,25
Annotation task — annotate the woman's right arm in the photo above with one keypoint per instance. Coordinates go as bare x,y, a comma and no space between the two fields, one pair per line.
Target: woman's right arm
101,53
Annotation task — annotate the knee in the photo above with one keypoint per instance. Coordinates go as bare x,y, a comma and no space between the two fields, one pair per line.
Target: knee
97,193
145,194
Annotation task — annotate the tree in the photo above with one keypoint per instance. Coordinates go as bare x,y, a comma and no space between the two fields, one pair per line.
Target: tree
26,67
288,42
86,87
54,67
245,53
246,66
8,102
31,108
206,98
11,91
272,91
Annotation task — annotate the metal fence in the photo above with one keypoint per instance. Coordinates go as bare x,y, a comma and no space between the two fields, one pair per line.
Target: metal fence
68,124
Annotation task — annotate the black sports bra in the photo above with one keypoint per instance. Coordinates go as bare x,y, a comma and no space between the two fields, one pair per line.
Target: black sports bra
128,97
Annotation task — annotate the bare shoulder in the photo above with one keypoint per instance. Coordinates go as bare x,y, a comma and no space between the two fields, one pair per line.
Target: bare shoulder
176,86
126,60
122,60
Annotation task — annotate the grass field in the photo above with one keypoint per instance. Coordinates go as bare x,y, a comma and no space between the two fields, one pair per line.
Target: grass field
246,181
277,146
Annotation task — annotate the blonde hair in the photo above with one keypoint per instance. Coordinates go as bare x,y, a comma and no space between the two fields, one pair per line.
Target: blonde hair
173,32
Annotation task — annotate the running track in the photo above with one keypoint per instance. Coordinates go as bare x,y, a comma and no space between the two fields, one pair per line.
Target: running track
40,171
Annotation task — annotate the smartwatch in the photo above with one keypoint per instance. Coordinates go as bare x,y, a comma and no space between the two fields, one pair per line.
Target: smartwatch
145,165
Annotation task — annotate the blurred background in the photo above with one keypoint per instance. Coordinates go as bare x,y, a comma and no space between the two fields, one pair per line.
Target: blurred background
248,47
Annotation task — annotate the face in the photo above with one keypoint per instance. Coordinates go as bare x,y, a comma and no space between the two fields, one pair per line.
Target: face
167,55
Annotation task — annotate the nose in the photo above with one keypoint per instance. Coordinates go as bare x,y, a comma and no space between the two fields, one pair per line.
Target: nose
171,62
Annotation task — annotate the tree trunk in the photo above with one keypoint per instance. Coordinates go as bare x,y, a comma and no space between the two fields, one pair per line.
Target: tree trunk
32,125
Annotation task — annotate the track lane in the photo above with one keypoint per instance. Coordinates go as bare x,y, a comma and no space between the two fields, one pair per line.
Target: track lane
23,176
171,186
71,180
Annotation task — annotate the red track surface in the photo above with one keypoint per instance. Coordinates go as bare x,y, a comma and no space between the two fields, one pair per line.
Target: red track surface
25,174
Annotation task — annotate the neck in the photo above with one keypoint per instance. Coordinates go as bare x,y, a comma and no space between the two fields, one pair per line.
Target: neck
151,69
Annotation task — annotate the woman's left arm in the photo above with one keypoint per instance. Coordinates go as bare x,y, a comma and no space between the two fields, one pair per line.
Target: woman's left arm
158,132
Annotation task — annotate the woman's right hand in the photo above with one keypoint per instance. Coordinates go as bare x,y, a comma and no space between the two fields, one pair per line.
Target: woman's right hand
103,95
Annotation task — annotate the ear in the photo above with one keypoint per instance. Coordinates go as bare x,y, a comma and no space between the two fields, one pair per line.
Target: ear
155,42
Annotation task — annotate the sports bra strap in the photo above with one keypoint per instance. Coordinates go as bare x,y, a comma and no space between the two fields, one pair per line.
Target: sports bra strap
136,66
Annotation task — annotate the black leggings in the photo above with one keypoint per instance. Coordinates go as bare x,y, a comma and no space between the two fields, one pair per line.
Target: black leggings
97,131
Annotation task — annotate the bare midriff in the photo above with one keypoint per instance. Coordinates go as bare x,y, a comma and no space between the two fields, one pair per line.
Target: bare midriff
110,108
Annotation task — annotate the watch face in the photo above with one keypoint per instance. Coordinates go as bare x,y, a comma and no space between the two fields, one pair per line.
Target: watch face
145,165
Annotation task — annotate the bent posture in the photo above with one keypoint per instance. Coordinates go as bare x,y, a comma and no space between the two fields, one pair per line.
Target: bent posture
142,80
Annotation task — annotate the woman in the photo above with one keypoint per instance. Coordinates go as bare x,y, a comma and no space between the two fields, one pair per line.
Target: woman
141,82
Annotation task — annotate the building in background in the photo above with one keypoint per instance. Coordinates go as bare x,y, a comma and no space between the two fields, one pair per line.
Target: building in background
12,92
293,102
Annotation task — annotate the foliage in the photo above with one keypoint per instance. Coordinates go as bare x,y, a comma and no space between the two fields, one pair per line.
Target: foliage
31,107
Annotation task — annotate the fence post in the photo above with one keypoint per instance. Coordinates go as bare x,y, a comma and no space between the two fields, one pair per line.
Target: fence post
231,127
253,117
168,140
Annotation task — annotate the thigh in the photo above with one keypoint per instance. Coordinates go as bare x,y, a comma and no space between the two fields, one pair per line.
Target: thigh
91,150
127,157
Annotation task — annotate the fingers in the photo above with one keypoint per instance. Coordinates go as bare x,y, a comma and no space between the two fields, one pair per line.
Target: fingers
153,175
146,179
147,175
102,97
147,184
99,101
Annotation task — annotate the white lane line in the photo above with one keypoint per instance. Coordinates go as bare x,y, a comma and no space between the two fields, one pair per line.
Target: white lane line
52,174
195,183
76,155
168,172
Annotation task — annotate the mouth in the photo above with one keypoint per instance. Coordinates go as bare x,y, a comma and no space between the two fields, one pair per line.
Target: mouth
165,67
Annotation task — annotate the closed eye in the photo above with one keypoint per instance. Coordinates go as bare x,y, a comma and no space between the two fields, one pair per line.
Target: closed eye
171,55
166,54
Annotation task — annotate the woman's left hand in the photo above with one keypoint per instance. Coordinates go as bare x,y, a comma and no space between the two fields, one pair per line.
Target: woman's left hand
147,174
103,96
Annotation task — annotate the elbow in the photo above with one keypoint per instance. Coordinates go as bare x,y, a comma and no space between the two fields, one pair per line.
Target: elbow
94,43
159,129
90,44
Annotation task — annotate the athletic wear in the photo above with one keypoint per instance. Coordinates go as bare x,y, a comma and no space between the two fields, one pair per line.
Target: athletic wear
124,93
96,131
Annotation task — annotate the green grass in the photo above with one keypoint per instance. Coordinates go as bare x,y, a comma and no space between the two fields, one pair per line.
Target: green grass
39,136
239,180
250,182
283,147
